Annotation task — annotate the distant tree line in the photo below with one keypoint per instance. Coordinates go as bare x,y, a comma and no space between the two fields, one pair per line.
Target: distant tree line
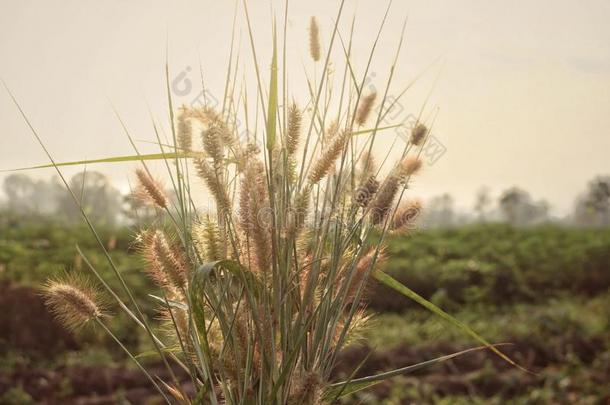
104,204
517,207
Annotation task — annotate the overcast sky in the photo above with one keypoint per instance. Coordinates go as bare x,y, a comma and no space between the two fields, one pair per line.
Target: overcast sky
523,89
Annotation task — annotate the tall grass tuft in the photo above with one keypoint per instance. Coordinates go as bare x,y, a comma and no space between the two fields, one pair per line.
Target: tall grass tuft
260,294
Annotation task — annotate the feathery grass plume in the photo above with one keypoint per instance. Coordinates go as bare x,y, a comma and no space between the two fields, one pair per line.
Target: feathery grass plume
355,329
299,212
410,166
324,164
73,301
307,389
314,39
294,129
368,166
206,238
405,216
167,260
170,259
418,134
214,183
382,203
364,267
331,131
212,144
185,130
253,209
365,193
151,189
365,108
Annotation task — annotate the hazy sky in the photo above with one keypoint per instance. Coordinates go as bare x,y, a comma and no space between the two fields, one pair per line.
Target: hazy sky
523,90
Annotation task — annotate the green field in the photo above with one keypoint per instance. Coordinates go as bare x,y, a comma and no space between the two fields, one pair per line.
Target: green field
543,289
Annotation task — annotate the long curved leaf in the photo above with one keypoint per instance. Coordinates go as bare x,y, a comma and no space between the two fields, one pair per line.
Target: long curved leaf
391,282
116,159
343,388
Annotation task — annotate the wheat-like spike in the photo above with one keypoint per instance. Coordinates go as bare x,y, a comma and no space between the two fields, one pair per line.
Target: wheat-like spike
365,193
294,129
185,130
314,39
300,211
355,329
73,301
363,267
306,389
169,259
206,236
216,187
368,166
364,110
323,165
405,216
381,205
254,210
152,190
418,134
212,144
410,166
331,131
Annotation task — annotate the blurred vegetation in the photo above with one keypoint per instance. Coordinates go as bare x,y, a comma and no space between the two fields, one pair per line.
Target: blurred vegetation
544,288
497,264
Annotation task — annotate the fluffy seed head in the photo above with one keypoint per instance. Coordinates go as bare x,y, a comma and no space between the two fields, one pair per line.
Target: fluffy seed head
151,189
418,134
212,144
214,183
381,205
206,237
323,165
405,216
372,259
294,129
73,301
167,260
185,131
314,39
365,193
364,110
411,166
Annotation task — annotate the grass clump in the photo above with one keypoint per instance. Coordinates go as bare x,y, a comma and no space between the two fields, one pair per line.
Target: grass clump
258,295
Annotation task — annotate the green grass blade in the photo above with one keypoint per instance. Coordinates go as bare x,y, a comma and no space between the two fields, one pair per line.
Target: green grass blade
272,106
116,159
394,284
359,384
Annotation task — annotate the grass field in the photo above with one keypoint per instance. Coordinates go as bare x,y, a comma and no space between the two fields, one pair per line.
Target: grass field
543,289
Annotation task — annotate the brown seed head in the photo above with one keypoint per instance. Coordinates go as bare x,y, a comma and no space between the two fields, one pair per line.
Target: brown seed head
323,165
73,301
214,183
168,260
382,204
364,110
365,193
411,166
314,39
418,134
294,129
405,216
151,189
185,130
